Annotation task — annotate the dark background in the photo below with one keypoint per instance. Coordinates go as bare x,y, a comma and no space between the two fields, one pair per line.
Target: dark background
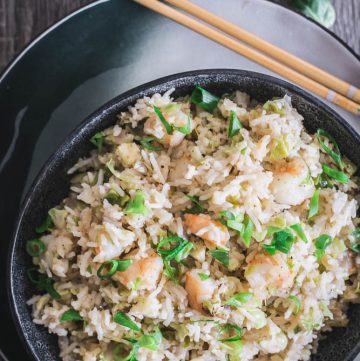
22,20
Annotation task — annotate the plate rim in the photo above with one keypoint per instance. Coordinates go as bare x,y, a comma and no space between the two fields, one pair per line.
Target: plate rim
26,48
101,112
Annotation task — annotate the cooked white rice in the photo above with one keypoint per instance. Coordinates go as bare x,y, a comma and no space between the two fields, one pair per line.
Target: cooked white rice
284,300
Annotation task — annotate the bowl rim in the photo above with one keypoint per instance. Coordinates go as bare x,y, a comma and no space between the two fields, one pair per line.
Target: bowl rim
110,106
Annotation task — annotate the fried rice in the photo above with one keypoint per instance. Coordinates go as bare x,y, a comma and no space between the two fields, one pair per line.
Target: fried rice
200,228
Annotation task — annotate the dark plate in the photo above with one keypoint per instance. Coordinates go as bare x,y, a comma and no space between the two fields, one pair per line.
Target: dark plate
51,186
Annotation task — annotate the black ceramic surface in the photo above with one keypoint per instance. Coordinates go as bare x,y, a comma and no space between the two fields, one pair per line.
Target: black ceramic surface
52,185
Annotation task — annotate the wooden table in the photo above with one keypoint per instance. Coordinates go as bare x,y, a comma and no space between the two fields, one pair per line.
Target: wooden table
22,20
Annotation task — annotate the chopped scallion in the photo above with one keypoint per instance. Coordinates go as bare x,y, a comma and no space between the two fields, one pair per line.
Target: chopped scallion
222,255
148,143
151,342
203,276
168,127
321,243
197,208
355,247
107,269
125,352
248,230
71,315
228,328
186,129
314,204
35,247
238,298
45,226
341,177
178,252
299,231
204,99
296,302
333,153
98,140
42,282
124,320
136,205
234,125
114,197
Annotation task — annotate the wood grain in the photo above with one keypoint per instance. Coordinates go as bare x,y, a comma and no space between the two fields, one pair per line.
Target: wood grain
22,20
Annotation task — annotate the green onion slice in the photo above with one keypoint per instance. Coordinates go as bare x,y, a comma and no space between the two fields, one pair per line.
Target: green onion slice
355,247
151,342
45,226
187,129
107,269
333,153
111,166
148,143
42,282
124,320
168,127
222,255
269,248
98,140
234,125
356,233
203,276
224,216
197,208
123,264
35,247
204,99
231,221
136,205
178,252
228,328
314,204
170,271
341,177
125,352
321,243
110,267
299,231
71,315
238,298
296,302
114,197
248,230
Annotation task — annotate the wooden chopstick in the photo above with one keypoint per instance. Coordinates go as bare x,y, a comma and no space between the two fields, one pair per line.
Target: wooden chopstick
252,54
302,66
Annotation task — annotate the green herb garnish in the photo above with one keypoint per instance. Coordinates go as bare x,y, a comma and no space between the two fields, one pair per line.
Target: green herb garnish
296,302
321,243
125,352
341,177
35,247
314,204
136,205
168,127
234,125
178,252
282,241
187,129
45,226
247,231
238,298
110,267
42,282
124,320
98,140
147,143
222,255
70,315
333,153
114,197
203,276
197,207
299,231
204,99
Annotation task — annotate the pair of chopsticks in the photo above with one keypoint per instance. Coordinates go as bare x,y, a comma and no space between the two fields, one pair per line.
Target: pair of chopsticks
268,55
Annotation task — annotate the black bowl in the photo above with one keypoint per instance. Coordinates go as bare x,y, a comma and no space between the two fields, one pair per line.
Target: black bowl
52,185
